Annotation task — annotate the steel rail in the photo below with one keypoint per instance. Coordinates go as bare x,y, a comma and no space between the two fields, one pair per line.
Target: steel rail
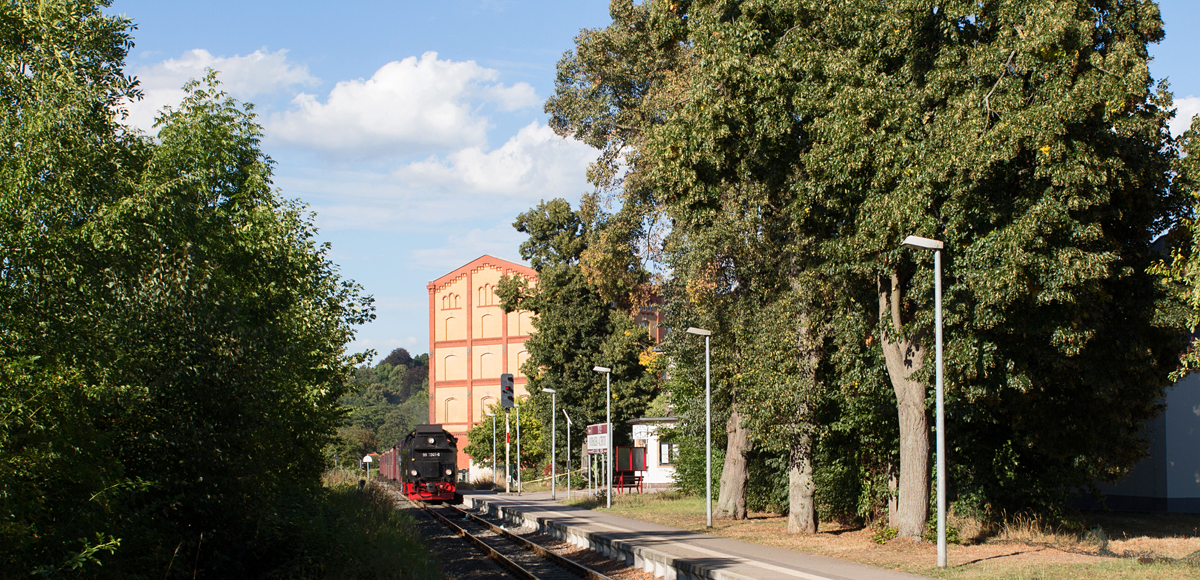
575,567
499,558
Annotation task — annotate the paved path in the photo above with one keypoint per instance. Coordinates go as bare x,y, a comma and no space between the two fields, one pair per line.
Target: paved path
692,554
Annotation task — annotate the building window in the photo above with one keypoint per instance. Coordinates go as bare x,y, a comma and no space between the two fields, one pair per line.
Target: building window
667,453
487,295
446,410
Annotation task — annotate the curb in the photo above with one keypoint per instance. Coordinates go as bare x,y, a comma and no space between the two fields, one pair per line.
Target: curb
648,560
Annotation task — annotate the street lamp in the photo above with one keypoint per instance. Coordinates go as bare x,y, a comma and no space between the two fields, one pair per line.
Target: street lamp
608,423
568,454
707,334
518,408
919,243
493,416
553,447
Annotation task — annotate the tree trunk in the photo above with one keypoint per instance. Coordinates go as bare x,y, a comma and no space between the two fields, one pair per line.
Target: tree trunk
731,503
904,357
893,505
802,507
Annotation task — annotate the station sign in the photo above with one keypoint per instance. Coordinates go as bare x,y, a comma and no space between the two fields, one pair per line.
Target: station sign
597,438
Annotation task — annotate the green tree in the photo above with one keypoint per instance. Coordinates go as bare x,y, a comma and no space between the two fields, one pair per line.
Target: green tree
576,328
173,334
1027,137
535,440
1181,270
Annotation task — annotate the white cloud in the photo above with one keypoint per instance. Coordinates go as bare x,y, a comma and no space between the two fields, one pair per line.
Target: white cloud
243,77
407,107
1185,109
500,241
534,164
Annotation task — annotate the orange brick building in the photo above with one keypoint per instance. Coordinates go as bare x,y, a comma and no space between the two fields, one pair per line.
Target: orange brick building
471,343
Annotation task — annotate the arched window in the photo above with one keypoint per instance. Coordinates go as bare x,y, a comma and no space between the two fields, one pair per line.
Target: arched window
485,403
487,295
446,410
521,358
453,329
489,366
489,326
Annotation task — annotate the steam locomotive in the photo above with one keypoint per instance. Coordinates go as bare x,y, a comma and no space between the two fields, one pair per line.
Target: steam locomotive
424,464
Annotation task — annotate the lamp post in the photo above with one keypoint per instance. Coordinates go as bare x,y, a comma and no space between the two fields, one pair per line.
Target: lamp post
568,454
493,416
707,425
608,424
553,444
518,408
919,243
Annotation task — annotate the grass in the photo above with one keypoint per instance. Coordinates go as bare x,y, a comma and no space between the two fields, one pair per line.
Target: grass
358,534
1094,545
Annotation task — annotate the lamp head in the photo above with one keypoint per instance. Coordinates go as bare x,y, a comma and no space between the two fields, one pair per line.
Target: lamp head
604,370
547,390
919,243
699,331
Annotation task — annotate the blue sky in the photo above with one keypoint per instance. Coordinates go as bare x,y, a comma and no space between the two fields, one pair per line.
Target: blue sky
415,129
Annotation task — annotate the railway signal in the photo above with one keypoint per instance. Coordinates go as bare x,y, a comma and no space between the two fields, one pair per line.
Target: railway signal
506,391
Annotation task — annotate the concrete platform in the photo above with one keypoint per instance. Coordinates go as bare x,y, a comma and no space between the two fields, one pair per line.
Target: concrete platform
669,552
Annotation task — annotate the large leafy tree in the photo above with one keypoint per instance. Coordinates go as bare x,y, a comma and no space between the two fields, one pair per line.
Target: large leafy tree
171,336
1026,136
535,443
576,327
1030,140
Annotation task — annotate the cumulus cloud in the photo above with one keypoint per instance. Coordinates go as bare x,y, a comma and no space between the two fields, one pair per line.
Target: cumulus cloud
535,163
243,77
407,107
1185,109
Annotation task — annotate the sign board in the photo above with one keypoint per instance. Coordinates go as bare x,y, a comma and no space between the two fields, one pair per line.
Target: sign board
597,438
630,459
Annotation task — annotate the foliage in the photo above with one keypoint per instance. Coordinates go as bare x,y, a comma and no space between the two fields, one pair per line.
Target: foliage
884,535
535,444
576,327
388,400
798,142
1181,270
351,533
171,337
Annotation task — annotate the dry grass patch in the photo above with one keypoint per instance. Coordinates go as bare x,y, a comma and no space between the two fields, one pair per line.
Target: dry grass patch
1123,546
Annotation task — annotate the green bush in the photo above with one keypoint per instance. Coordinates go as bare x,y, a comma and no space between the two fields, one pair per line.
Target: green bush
357,534
884,534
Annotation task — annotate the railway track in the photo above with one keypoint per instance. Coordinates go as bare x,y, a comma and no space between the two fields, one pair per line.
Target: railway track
520,557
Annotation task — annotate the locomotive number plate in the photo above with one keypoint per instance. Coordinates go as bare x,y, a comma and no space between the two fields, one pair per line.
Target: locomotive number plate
431,454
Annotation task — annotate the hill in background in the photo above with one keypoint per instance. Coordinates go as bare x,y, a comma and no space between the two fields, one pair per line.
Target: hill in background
387,401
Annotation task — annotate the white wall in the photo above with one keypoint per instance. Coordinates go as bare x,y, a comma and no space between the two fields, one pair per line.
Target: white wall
1183,438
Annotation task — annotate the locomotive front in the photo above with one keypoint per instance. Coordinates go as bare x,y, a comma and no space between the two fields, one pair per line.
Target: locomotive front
428,463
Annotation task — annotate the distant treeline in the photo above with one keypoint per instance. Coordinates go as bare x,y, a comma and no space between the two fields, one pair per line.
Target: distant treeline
386,402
